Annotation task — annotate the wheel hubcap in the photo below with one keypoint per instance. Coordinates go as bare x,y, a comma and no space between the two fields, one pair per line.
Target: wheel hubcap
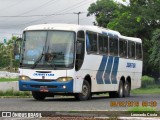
85,90
126,89
121,91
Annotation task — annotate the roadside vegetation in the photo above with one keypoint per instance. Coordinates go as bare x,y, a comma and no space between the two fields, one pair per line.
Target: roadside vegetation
149,86
11,92
8,79
142,109
8,52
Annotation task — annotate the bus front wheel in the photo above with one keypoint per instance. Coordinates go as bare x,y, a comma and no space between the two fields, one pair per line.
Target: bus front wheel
86,92
38,95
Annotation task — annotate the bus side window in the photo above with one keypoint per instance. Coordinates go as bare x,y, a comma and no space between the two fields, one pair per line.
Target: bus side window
91,42
80,49
105,47
131,49
138,51
100,43
113,45
103,44
122,48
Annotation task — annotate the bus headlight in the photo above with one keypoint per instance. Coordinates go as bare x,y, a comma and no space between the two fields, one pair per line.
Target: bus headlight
64,79
22,77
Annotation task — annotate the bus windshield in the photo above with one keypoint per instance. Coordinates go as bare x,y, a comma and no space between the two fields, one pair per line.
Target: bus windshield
48,49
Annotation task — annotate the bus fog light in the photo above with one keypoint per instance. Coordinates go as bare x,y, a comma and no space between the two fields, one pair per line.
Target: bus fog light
64,87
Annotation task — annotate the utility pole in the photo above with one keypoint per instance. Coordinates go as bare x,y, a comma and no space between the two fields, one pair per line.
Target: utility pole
78,13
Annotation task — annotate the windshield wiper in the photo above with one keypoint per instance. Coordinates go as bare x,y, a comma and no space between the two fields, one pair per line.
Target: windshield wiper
39,59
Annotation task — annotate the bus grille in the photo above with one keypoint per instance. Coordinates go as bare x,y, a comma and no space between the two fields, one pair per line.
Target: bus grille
39,86
43,80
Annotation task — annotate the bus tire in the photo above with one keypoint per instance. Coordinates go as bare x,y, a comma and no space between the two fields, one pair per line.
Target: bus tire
86,92
127,88
38,95
119,93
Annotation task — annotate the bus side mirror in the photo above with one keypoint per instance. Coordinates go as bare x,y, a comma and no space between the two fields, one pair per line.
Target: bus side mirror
17,47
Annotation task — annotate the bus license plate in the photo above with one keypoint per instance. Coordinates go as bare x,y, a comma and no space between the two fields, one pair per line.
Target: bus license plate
43,89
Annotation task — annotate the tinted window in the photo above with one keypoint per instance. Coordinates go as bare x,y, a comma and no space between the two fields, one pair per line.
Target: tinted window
138,51
131,49
91,42
113,45
80,50
103,44
122,48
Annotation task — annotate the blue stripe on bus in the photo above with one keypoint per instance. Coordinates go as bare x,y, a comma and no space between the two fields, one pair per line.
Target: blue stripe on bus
108,70
101,70
115,70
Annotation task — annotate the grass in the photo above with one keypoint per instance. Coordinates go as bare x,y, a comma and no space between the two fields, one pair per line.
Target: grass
11,92
142,109
8,79
155,89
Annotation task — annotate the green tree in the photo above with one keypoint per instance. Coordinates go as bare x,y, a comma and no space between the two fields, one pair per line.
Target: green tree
103,10
155,50
139,19
7,60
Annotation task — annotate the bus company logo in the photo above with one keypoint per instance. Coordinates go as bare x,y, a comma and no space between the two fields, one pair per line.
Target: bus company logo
43,74
6,114
21,115
131,65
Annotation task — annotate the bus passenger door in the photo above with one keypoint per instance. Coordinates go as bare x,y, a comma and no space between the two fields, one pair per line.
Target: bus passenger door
80,45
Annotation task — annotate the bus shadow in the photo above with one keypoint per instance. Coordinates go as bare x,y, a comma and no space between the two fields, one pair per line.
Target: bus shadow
72,99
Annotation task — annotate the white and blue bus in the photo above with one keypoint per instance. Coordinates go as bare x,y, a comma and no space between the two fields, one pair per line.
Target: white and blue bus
78,60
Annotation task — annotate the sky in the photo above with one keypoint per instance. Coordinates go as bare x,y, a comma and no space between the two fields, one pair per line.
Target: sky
39,12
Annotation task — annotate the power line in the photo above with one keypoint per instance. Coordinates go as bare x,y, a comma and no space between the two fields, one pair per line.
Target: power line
60,11
68,9
43,5
74,6
36,15
12,5
43,16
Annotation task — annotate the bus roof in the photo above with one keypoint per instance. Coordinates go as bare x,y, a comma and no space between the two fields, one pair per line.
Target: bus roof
131,38
70,27
75,27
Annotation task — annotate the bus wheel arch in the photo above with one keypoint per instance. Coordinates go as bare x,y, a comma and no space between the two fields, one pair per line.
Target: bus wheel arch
88,78
127,87
120,92
86,89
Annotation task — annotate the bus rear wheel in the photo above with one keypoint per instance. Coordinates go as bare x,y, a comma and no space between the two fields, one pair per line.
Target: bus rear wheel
127,88
86,92
119,93
38,95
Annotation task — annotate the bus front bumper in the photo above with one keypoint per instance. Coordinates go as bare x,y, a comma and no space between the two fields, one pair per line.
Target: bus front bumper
54,86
